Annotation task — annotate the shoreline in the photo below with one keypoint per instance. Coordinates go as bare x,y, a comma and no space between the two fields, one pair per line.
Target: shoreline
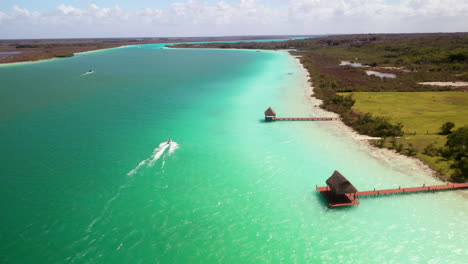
4,64
127,43
27,62
404,164
97,50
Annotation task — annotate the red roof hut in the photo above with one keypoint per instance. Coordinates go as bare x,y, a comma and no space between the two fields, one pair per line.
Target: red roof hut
270,114
340,191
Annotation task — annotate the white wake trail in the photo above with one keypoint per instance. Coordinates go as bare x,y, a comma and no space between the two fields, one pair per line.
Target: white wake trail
86,73
172,148
137,168
157,154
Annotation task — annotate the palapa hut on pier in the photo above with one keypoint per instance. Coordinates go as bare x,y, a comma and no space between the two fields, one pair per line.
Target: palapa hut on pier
340,191
339,184
270,114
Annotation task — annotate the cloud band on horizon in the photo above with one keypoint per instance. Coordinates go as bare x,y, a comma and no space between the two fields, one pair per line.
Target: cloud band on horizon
245,17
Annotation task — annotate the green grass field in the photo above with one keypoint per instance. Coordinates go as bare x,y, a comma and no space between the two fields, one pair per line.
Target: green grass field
422,113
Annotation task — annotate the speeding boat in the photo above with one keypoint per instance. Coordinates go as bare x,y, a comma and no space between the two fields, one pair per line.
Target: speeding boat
169,141
90,71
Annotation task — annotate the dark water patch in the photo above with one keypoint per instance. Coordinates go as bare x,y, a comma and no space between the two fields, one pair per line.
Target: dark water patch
380,74
352,64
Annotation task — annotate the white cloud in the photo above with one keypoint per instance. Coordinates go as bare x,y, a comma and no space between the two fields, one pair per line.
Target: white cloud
21,11
196,17
70,10
3,16
435,8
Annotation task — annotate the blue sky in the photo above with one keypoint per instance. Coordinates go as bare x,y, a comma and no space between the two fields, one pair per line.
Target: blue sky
43,5
153,18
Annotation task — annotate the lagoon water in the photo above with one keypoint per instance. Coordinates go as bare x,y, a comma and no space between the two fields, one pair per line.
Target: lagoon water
87,178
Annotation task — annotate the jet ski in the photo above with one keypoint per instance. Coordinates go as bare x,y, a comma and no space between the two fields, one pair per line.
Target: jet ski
169,141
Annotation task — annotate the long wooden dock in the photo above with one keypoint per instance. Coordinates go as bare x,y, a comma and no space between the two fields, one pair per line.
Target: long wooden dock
305,118
450,186
352,198
270,115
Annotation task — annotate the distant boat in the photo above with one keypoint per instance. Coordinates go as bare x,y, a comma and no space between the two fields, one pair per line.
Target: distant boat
169,141
88,72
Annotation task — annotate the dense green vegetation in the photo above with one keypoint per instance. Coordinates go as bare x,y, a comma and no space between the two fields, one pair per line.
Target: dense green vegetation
395,117
456,149
27,46
433,52
64,55
446,128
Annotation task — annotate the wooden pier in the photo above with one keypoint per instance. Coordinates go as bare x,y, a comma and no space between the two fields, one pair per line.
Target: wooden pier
448,186
336,195
270,115
305,118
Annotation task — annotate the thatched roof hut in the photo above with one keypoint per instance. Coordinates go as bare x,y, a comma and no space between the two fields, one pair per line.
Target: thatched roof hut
270,112
340,185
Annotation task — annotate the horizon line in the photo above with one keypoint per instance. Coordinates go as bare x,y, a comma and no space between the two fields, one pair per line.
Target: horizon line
236,36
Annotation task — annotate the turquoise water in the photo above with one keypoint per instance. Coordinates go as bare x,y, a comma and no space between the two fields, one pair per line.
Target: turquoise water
87,178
